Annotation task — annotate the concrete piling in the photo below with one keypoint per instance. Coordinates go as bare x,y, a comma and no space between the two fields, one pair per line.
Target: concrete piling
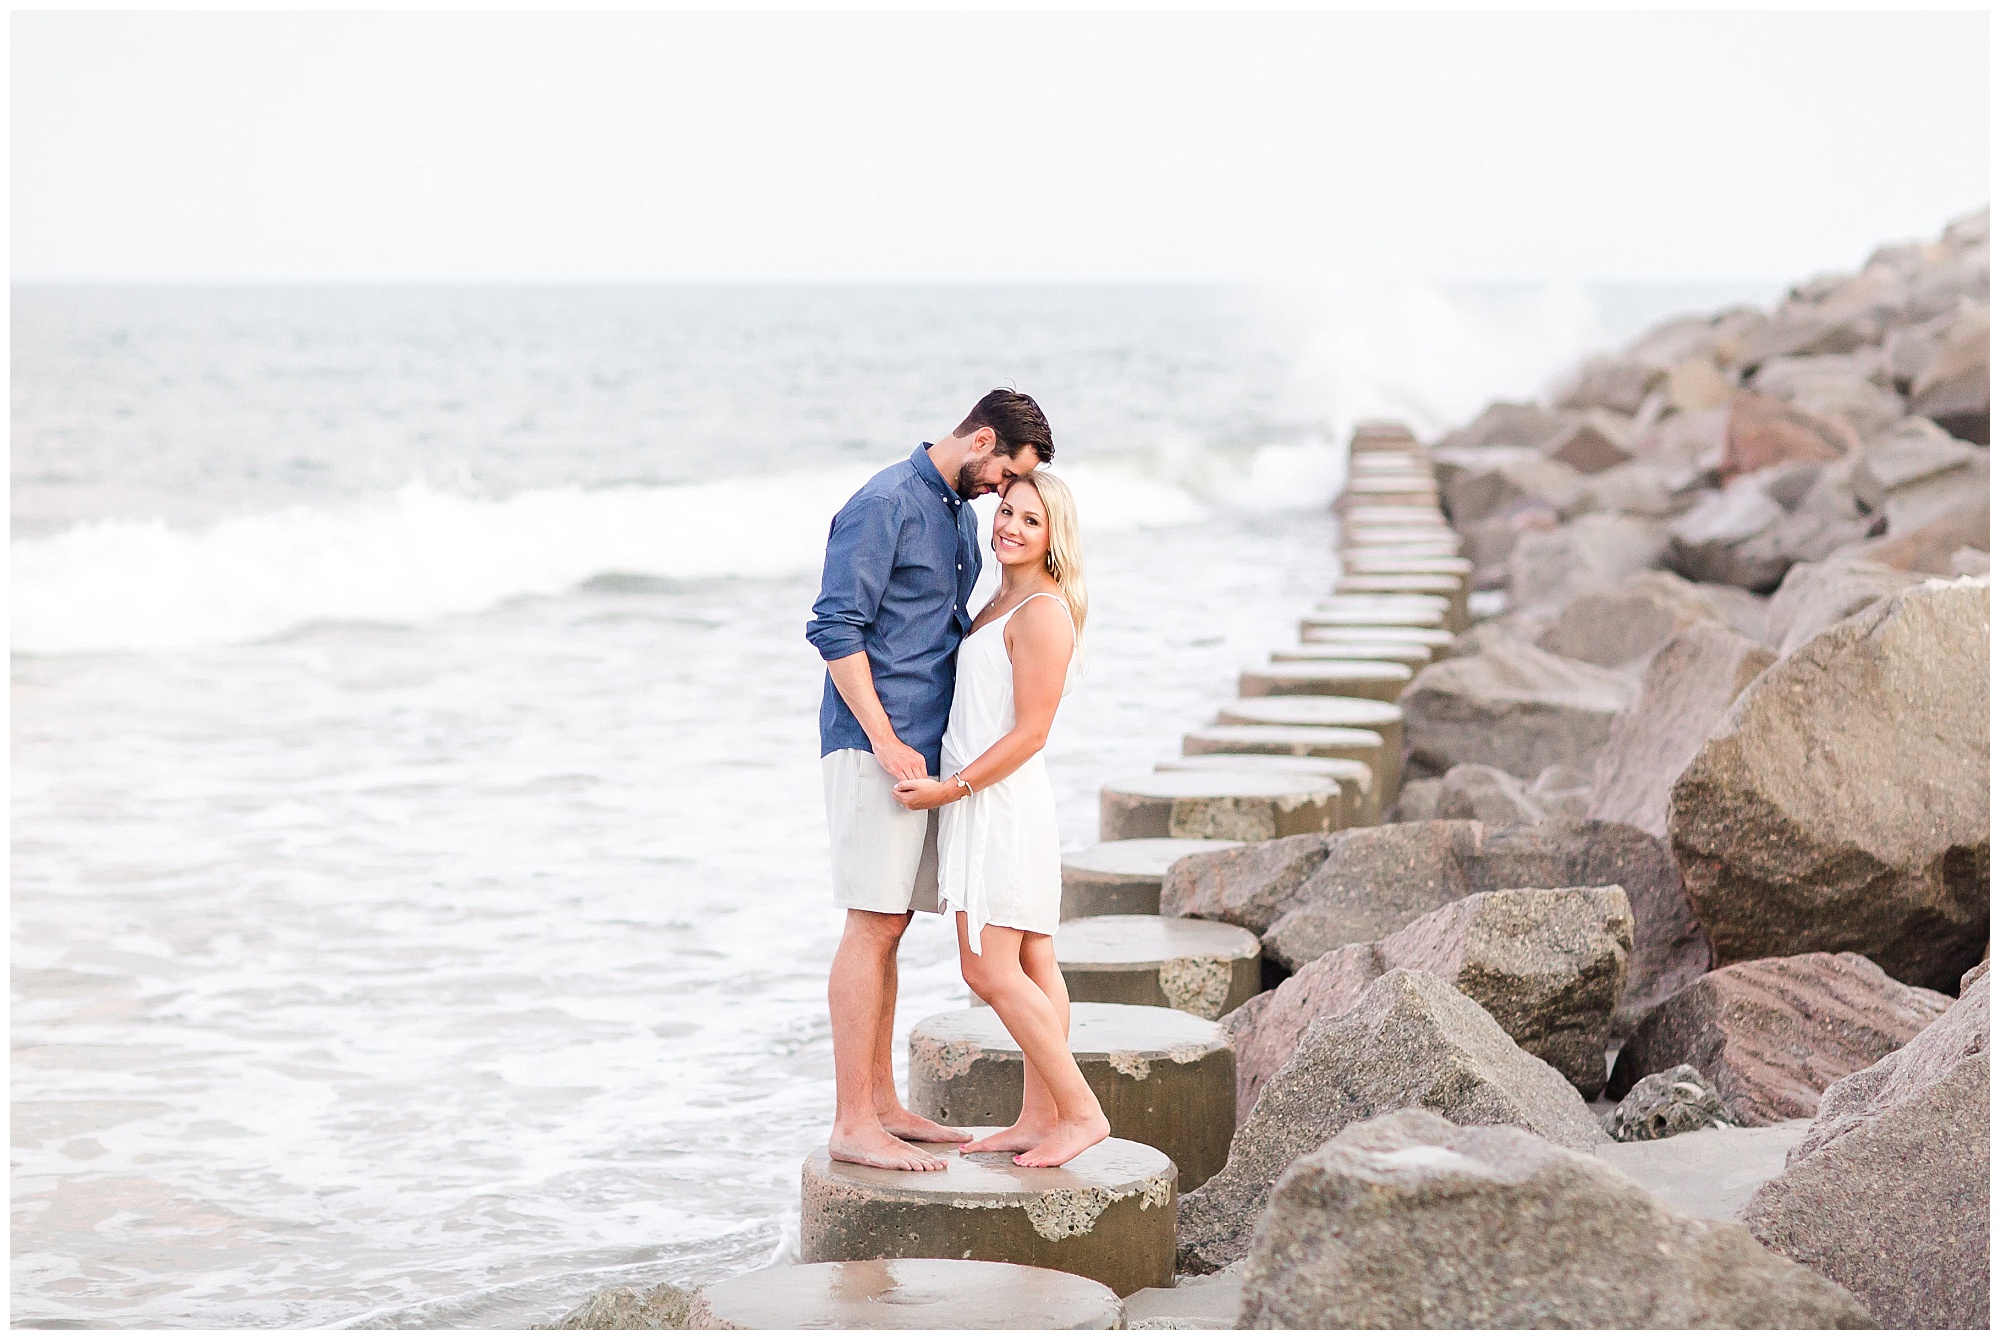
1239,807
1385,719
1204,968
1107,1215
1355,776
1381,680
1123,878
1165,1078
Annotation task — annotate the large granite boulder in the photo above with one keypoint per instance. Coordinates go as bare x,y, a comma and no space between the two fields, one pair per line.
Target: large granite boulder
1617,625
1773,1033
1610,382
1410,1222
1412,1040
1505,423
1248,886
1954,387
1549,568
1512,706
1547,964
1685,692
1843,802
1375,882
1480,483
1888,1193
1379,880
1495,798
1816,596
1668,947
1934,546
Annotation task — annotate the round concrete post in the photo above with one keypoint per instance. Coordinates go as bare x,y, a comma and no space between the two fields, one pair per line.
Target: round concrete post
1444,585
1334,635
1381,680
1203,968
1324,743
1377,514
1233,806
1123,878
1395,616
1165,1079
908,1295
1385,719
1415,655
1364,562
1438,538
1355,775
1107,1215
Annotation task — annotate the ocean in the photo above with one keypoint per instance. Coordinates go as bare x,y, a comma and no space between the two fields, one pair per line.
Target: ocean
420,914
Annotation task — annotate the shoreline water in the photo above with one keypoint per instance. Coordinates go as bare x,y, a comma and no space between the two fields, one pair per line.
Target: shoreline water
354,962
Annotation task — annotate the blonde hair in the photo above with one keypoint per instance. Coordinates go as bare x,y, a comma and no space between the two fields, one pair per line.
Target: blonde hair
1064,560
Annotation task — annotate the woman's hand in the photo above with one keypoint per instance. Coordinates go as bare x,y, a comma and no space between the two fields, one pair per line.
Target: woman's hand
925,794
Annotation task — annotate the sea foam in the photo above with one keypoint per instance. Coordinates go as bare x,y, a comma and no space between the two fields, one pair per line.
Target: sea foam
129,585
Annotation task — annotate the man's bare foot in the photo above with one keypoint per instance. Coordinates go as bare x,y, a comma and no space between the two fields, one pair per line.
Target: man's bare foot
1069,1139
1019,1138
907,1125
879,1149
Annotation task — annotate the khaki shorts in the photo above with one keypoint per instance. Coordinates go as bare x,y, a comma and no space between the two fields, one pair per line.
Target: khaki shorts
884,856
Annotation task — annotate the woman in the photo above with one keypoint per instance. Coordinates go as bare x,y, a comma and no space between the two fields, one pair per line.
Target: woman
999,856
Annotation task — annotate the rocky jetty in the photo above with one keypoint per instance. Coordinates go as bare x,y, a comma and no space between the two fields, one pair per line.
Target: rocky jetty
1660,716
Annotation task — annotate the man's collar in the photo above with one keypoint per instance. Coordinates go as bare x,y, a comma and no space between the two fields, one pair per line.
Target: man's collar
928,472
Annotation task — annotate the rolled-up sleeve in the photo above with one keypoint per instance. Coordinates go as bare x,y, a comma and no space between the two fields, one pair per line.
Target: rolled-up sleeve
860,554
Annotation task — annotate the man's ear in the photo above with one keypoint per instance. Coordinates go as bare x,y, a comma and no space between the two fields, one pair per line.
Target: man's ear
984,440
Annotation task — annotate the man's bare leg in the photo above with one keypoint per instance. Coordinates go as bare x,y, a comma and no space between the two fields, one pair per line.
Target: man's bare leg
855,988
889,1110
1037,1121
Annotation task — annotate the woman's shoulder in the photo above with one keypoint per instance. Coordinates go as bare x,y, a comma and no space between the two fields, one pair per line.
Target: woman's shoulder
1044,620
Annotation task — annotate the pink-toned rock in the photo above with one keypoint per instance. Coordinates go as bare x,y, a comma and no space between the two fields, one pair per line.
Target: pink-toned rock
1593,444
1765,431
1773,1033
1888,1195
1685,692
1248,886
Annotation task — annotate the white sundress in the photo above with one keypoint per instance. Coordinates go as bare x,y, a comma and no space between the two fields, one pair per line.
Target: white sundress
999,854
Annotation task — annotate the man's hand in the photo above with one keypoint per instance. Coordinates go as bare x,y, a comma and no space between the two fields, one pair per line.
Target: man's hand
900,761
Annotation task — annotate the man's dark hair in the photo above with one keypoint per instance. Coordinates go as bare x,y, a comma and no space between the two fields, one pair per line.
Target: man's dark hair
1015,419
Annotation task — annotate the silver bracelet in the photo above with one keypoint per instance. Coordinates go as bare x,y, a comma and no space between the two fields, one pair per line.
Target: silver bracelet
960,779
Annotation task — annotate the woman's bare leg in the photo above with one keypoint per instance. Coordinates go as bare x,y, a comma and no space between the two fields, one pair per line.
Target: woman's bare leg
1031,1017
1037,1121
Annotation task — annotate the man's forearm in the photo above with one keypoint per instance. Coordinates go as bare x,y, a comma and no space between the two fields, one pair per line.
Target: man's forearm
855,679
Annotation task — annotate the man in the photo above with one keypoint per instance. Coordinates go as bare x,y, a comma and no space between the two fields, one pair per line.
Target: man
901,560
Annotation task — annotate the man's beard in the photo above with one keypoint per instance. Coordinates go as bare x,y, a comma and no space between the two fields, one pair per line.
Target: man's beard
967,485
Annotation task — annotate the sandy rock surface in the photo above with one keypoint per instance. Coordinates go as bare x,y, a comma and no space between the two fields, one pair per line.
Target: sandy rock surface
1411,1040
1410,1221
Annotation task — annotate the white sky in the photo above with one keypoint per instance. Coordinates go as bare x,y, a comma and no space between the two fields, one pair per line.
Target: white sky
928,146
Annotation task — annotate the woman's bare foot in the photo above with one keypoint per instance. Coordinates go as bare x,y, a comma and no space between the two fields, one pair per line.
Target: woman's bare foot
1069,1139
1016,1139
907,1125
877,1148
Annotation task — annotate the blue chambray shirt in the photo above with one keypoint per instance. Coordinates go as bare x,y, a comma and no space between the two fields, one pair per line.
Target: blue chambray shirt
901,559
